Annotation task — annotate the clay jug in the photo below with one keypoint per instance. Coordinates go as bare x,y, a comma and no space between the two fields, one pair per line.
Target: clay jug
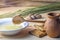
52,25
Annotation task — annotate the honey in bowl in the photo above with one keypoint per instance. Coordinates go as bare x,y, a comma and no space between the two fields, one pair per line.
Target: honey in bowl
10,27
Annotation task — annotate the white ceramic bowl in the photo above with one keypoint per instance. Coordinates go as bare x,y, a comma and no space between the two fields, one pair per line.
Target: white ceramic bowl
8,21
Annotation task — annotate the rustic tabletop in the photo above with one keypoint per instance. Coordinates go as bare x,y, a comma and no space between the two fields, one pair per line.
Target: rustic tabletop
23,7
28,37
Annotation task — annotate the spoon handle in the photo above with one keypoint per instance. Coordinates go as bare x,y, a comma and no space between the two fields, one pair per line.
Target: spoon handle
39,21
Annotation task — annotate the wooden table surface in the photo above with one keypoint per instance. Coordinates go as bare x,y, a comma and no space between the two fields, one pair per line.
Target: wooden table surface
29,37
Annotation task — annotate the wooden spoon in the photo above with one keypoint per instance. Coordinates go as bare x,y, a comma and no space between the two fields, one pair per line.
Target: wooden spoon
18,19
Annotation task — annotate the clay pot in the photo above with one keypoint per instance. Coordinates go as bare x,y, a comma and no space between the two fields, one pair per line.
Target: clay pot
52,25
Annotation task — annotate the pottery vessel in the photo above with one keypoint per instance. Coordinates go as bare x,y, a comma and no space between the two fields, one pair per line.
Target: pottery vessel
52,25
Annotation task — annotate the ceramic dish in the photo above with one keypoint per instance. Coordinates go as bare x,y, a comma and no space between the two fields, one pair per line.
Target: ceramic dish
8,21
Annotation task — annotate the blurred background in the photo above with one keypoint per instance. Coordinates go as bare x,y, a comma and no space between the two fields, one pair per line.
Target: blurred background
13,5
24,3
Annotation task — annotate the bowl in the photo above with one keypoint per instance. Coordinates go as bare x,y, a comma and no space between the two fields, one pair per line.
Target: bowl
8,21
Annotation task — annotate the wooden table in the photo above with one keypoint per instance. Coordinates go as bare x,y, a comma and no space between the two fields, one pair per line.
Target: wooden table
27,37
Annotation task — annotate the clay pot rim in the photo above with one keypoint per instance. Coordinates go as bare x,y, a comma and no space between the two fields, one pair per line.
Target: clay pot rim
53,15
